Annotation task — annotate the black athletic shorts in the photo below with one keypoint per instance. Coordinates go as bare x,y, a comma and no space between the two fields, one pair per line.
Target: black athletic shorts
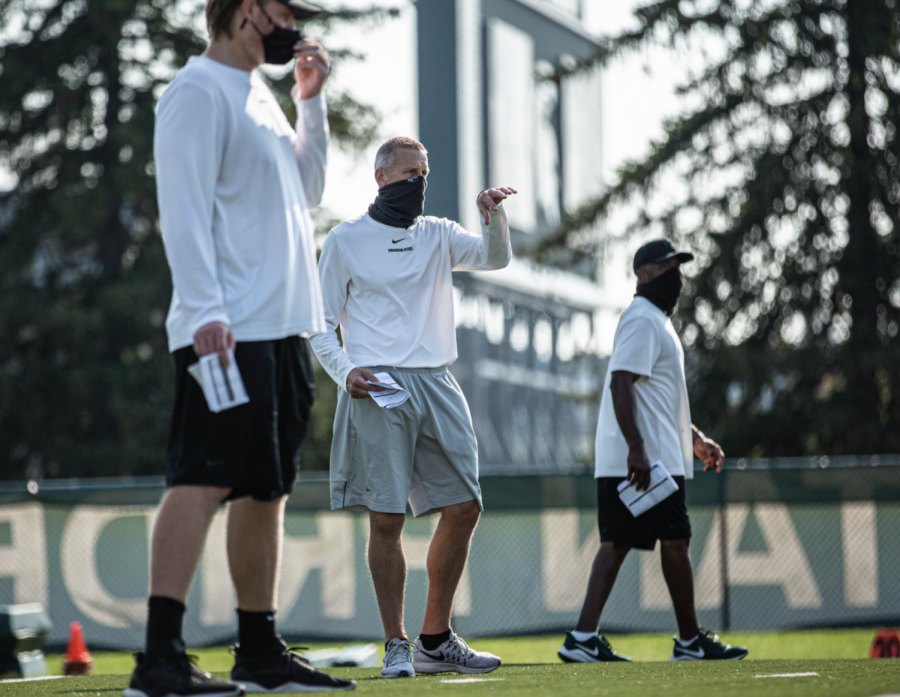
667,520
254,448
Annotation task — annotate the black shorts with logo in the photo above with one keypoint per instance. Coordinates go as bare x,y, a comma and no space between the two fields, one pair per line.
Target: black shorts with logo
667,520
254,448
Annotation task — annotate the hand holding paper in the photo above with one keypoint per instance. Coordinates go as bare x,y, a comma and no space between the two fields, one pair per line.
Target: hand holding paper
222,388
661,487
391,395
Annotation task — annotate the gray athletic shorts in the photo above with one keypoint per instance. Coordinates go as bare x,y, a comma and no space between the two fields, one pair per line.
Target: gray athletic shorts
423,451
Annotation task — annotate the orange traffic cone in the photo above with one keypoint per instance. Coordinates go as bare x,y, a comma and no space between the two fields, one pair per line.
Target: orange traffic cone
78,660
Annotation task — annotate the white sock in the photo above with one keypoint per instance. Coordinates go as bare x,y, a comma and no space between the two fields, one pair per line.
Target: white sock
687,642
583,636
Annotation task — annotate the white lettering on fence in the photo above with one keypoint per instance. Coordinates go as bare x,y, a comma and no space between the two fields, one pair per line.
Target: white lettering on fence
654,592
566,563
78,562
784,564
24,559
859,535
331,551
218,603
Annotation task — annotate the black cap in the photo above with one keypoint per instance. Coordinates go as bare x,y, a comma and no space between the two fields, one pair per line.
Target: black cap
657,251
301,9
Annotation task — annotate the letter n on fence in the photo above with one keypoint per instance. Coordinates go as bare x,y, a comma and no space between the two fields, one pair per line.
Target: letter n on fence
566,560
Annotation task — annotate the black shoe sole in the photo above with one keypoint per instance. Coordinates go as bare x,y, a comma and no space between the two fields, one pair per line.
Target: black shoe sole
709,658
137,692
294,687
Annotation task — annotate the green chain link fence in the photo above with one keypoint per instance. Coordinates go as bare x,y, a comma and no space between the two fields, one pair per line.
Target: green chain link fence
777,544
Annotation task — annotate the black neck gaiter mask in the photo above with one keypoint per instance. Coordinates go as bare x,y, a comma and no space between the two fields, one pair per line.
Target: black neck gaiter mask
663,291
279,45
400,203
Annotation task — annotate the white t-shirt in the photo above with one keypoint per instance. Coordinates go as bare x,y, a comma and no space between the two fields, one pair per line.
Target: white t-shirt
646,344
391,290
235,183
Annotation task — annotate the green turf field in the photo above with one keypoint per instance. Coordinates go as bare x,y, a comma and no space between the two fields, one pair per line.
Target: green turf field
837,657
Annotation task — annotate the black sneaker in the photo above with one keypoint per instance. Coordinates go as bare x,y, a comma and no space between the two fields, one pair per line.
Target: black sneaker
282,670
594,650
175,676
707,647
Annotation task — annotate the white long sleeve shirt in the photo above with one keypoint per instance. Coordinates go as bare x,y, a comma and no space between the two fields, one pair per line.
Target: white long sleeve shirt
391,290
235,183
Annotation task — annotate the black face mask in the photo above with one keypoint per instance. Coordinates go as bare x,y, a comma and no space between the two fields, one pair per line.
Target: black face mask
400,203
278,45
663,291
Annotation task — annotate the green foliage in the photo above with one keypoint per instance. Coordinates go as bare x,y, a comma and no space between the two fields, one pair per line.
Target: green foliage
784,179
85,379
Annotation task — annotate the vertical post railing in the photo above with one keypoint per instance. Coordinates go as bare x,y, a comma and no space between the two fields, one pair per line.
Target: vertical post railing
723,551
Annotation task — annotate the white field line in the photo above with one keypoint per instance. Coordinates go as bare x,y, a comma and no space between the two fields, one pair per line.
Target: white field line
788,675
461,680
43,677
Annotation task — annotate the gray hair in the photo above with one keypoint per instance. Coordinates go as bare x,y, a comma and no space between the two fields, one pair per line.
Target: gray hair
387,153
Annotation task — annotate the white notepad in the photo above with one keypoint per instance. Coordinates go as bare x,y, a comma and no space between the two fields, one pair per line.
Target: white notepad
661,487
222,388
392,395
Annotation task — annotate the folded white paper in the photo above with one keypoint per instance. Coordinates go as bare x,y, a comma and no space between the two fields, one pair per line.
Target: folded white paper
222,388
661,487
392,395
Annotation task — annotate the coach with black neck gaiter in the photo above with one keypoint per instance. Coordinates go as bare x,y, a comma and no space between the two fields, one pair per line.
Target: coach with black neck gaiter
401,203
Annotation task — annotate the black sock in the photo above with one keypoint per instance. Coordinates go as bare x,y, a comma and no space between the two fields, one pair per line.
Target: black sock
164,618
431,641
256,632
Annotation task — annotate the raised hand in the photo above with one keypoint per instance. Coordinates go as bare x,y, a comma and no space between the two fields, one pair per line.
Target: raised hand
311,68
490,199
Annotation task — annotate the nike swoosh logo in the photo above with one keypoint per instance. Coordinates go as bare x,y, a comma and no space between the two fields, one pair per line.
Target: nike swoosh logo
396,241
595,653
699,653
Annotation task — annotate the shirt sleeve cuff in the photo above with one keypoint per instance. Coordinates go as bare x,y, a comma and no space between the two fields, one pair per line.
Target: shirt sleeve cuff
344,374
209,318
301,103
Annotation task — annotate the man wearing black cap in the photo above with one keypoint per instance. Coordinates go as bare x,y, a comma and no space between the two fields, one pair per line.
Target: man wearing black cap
645,419
235,183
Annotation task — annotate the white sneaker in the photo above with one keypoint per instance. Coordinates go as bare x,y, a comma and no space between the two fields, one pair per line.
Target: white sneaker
398,659
454,655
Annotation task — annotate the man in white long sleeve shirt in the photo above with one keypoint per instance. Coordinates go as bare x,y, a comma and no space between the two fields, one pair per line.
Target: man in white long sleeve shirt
235,183
387,280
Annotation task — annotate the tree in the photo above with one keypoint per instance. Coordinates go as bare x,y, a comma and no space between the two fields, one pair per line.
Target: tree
783,177
85,379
